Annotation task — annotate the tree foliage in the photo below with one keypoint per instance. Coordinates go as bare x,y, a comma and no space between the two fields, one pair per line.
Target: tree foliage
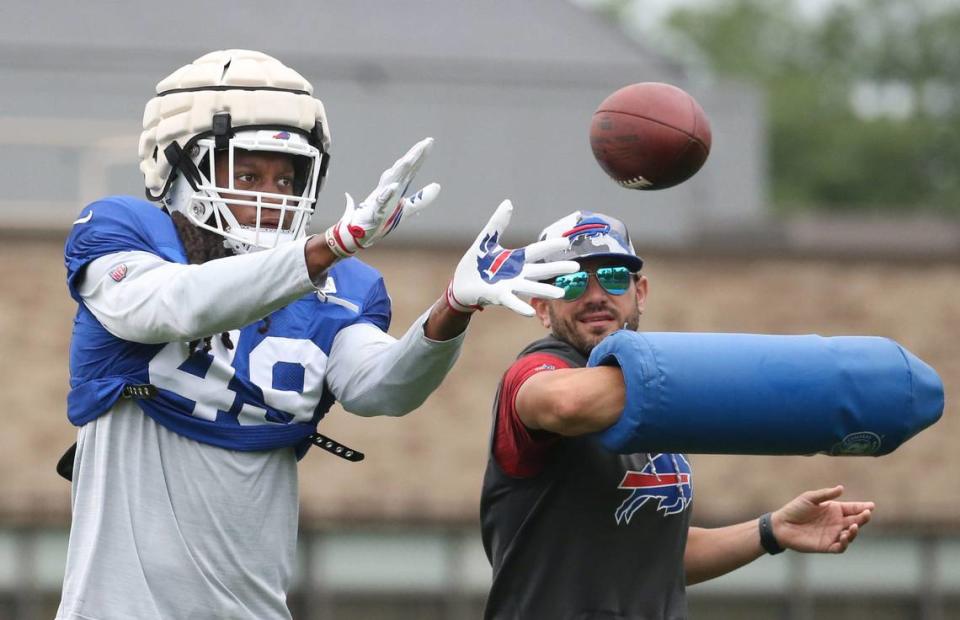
863,99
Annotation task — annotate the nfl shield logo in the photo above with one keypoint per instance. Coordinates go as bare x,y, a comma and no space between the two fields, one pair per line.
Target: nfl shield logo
119,273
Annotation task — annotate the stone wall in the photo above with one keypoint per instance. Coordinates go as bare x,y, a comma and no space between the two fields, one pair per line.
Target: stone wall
428,466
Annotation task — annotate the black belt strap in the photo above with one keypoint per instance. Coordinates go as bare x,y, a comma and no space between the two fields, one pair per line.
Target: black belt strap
336,448
146,391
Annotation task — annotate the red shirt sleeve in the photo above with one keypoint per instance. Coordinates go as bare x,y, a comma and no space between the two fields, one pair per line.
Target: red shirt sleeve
519,451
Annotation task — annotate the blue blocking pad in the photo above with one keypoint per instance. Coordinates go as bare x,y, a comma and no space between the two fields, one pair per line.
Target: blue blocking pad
760,394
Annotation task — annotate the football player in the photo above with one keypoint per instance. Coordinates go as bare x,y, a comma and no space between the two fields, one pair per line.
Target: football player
213,333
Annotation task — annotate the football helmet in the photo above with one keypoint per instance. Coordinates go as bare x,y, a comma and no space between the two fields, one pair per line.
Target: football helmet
207,110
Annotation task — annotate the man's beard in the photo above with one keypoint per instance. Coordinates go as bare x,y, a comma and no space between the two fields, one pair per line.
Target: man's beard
566,330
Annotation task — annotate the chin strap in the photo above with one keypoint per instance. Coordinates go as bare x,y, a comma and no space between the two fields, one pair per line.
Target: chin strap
180,161
222,132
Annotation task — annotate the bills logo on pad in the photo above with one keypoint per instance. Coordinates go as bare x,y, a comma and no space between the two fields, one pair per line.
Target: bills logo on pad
665,478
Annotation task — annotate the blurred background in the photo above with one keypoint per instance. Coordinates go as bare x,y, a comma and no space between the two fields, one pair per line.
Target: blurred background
830,204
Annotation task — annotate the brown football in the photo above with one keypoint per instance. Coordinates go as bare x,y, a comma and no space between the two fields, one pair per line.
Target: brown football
650,136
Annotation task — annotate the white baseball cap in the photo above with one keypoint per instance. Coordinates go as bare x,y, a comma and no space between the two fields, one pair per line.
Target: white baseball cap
592,235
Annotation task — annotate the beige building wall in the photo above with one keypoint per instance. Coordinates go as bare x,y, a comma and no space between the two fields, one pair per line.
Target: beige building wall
428,466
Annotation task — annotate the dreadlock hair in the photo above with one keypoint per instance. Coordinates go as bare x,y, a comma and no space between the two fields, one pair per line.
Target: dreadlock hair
201,246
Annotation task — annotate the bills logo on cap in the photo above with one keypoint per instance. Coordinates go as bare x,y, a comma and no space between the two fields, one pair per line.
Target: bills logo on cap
283,135
588,227
592,234
119,272
665,478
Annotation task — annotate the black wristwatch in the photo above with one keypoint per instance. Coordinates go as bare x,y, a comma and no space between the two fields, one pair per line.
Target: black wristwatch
767,540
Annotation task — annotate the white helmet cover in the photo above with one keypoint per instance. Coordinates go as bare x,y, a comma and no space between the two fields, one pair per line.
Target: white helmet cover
222,101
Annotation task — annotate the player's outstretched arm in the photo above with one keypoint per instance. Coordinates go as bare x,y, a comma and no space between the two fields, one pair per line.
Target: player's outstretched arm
489,274
812,522
377,375
378,215
381,212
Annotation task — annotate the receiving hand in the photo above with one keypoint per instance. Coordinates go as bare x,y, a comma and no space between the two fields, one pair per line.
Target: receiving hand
364,224
488,274
814,523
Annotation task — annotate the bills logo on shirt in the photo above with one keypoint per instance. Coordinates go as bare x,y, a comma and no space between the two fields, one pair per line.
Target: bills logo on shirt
119,273
665,478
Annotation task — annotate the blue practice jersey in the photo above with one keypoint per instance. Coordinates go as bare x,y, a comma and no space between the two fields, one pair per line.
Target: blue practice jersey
267,392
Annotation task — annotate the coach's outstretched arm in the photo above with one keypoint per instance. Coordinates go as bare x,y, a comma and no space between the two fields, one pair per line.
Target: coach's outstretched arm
811,523
572,401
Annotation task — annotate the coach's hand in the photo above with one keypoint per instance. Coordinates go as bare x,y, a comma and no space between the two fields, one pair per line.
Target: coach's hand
814,523
489,274
364,224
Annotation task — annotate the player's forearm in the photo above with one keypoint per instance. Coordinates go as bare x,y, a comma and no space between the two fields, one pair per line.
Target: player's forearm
714,552
372,373
572,401
445,323
156,301
318,256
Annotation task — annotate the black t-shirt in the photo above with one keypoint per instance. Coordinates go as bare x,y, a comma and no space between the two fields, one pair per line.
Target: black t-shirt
575,531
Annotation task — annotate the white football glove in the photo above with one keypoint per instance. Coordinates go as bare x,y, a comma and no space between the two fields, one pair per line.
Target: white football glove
489,274
364,224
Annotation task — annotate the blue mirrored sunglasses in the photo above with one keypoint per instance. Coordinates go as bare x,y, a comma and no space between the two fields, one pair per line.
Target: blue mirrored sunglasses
614,280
